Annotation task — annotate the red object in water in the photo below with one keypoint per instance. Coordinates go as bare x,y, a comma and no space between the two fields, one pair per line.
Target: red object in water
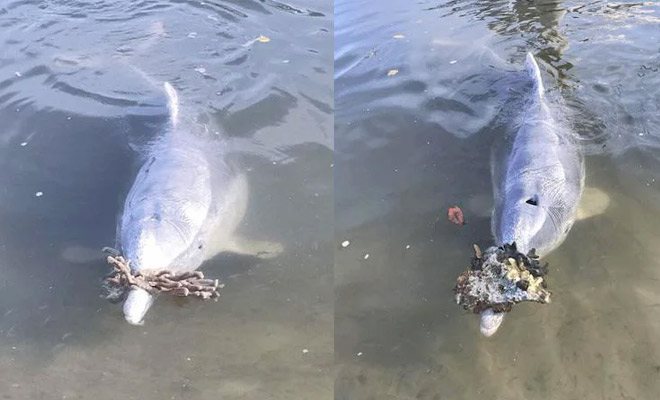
455,215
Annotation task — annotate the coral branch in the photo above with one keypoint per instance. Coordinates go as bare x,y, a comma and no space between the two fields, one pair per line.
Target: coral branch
189,283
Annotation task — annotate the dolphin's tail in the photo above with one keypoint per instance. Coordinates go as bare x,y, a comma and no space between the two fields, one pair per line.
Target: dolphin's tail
535,73
173,103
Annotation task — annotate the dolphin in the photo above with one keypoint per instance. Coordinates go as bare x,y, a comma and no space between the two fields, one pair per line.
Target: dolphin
182,209
537,183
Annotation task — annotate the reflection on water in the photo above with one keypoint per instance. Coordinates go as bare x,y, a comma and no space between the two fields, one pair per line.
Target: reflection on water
410,145
80,91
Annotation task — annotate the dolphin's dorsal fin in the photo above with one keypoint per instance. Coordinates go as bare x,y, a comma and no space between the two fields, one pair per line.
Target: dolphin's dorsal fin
535,74
173,102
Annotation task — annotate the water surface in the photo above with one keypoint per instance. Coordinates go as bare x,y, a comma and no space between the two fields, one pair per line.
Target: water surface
422,92
80,90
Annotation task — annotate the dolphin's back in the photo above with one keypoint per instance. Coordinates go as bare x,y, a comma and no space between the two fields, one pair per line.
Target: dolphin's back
538,177
166,208
172,201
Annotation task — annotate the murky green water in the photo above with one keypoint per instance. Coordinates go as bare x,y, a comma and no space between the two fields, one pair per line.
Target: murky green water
74,92
412,144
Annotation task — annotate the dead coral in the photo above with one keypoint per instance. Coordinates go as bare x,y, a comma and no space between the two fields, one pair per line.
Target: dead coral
191,283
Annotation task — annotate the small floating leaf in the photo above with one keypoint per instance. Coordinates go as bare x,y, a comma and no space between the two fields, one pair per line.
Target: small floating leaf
263,39
392,72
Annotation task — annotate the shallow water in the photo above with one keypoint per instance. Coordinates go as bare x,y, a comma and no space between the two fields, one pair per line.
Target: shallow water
411,144
79,91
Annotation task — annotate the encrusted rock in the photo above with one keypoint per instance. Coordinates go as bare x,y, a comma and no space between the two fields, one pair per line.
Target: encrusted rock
501,277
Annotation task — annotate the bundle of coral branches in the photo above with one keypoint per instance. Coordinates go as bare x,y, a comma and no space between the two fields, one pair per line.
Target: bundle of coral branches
190,283
501,277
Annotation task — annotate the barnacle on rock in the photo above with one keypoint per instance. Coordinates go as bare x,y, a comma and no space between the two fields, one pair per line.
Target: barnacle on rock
534,284
526,276
513,274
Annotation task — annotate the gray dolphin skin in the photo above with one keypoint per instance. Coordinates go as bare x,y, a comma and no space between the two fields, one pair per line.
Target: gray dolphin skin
177,199
537,184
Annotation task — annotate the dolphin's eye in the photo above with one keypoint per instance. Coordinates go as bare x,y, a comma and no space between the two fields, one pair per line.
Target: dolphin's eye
533,201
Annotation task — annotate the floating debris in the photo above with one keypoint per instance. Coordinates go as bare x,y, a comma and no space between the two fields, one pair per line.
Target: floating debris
345,243
261,39
18,74
453,61
305,351
398,36
501,277
39,194
366,256
23,144
192,35
407,247
455,215
392,72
